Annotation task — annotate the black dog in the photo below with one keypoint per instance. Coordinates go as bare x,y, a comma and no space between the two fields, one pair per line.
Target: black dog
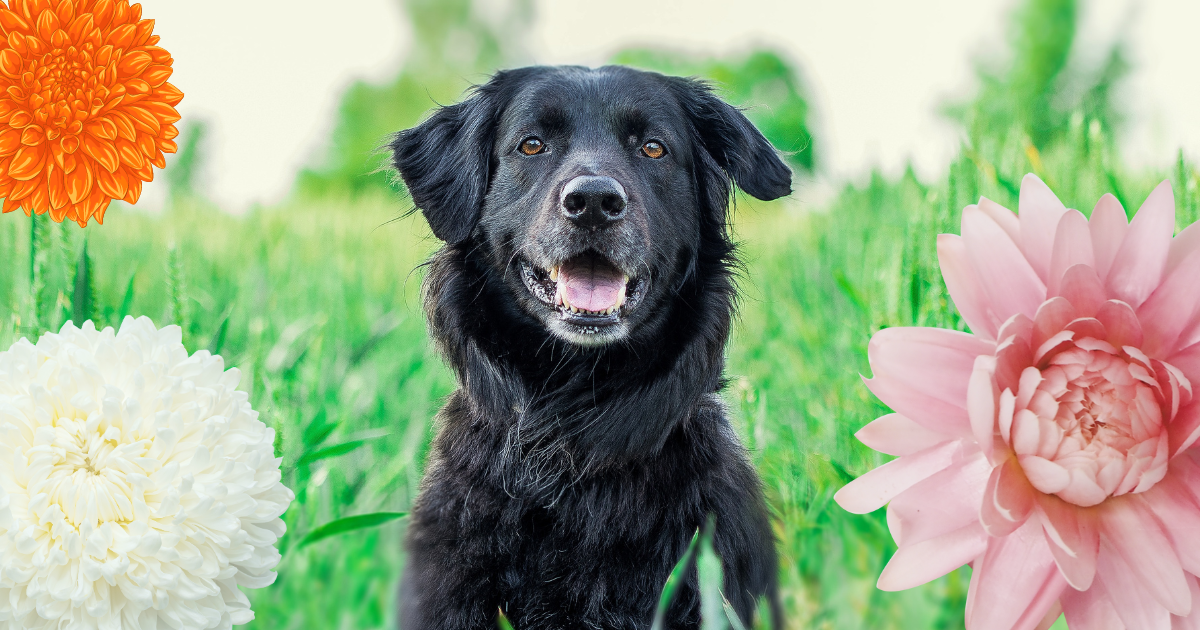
583,299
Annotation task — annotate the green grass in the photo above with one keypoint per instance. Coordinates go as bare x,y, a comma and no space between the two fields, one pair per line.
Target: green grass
317,302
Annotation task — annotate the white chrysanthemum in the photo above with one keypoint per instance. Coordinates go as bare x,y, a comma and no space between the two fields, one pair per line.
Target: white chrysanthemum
138,489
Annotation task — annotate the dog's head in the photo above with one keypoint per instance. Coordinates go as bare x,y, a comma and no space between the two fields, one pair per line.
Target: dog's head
591,192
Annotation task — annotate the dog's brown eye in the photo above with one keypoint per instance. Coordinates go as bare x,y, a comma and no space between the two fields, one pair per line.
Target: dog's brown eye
654,149
532,146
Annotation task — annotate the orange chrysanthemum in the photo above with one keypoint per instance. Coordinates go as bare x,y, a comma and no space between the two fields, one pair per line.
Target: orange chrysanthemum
85,107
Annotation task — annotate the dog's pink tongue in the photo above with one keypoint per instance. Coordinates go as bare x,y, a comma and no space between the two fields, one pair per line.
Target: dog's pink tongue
590,286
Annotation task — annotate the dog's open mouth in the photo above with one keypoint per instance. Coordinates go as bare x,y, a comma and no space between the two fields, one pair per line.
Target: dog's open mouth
586,289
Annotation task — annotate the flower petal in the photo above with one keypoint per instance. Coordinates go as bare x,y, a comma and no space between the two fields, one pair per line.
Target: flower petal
1179,513
1187,361
1088,327
1121,324
1189,471
1082,287
916,564
1072,246
1129,596
1172,308
1189,337
942,503
1004,415
1005,218
1192,621
1052,616
896,435
1184,428
1013,355
27,163
1051,319
964,286
1083,489
1045,475
1007,500
1010,283
1138,266
1131,530
1108,226
874,489
1090,609
1040,212
1026,430
982,400
1073,537
923,374
1186,243
1014,583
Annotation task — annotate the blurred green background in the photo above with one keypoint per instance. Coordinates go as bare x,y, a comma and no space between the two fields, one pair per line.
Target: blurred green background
316,300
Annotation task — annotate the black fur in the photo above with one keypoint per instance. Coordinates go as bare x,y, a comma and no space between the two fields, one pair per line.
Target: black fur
571,469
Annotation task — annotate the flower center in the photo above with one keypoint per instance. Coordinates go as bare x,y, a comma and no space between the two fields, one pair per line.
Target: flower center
1098,405
87,465
1093,422
87,471
58,90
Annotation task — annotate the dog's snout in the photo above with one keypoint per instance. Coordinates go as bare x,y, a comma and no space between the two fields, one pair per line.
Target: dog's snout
593,201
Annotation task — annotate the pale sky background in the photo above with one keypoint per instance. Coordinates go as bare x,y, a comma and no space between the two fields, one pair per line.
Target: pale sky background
269,81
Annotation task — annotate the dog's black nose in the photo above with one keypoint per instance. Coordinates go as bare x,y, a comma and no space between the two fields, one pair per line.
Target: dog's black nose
592,201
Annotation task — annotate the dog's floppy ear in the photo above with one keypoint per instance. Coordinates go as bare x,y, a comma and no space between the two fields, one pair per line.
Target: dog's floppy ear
444,162
733,142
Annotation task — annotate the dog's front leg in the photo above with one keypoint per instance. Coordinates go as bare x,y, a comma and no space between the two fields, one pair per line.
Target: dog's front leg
744,538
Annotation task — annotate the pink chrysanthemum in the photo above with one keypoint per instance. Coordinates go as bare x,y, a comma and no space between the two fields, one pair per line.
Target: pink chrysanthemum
1051,448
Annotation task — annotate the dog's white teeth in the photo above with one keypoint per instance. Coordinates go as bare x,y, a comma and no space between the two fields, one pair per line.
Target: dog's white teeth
554,273
574,310
620,298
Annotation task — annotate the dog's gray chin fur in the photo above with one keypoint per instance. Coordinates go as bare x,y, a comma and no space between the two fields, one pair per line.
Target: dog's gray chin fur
587,337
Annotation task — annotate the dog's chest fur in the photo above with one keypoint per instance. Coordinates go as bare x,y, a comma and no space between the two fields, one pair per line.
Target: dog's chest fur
556,547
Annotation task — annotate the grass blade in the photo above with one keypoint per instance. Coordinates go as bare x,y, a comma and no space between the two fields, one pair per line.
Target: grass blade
1114,186
848,290
349,524
177,299
332,451
127,301
33,246
83,297
503,621
217,341
735,622
318,429
678,575
711,577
